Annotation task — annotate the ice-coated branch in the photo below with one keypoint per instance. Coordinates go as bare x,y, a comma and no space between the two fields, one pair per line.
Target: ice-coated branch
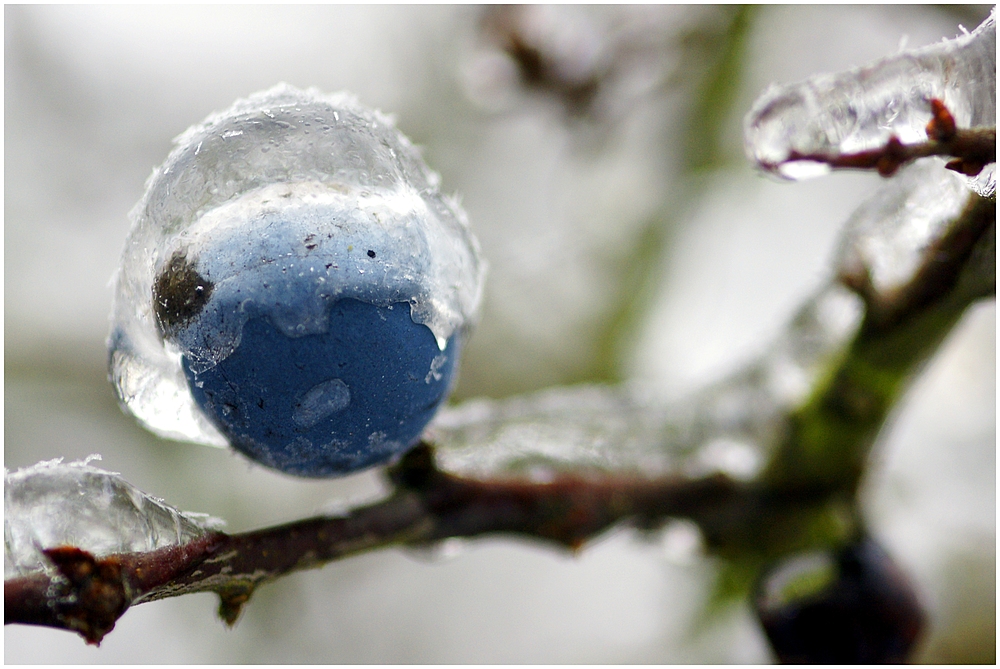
971,150
831,435
82,592
815,452
54,503
882,115
766,462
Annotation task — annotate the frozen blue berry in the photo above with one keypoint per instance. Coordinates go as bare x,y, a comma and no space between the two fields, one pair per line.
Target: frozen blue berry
846,607
294,286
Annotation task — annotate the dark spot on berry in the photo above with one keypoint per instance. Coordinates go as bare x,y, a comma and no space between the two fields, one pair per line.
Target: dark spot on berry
310,246
260,403
179,294
371,254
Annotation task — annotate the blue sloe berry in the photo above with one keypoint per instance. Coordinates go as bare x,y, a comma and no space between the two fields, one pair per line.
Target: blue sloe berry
332,402
294,374
294,285
848,606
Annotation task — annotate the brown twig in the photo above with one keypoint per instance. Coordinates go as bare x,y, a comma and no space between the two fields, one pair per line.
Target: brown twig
87,594
538,67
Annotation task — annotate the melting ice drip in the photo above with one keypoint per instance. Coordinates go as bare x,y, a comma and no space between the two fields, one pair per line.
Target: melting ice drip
54,504
858,110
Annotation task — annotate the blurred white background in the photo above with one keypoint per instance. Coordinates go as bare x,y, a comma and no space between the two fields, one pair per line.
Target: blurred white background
93,96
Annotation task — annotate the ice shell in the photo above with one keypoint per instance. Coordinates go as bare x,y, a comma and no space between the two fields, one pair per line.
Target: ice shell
601,430
729,427
286,162
888,234
54,504
858,110
596,428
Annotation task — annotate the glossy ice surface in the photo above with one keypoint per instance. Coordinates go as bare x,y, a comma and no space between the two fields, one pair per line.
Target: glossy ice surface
54,503
860,109
265,219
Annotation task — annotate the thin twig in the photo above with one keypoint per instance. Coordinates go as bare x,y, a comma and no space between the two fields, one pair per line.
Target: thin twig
971,149
88,594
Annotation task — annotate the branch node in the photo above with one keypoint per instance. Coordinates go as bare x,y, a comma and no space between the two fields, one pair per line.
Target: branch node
96,594
232,599
416,470
941,127
893,156
969,168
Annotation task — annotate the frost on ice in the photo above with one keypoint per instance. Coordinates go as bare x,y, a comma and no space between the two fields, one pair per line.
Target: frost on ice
731,427
858,110
329,171
56,504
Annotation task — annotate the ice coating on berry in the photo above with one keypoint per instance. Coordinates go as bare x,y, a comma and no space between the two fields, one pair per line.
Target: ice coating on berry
858,110
277,208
